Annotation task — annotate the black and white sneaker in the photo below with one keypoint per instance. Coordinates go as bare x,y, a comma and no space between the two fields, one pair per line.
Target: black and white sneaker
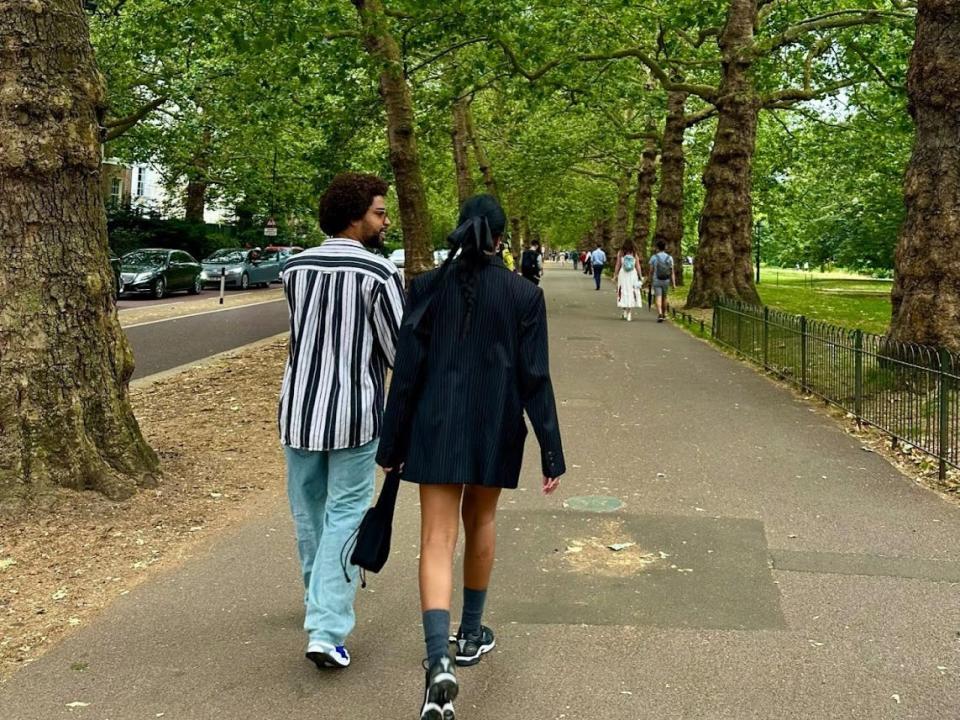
440,691
470,648
325,655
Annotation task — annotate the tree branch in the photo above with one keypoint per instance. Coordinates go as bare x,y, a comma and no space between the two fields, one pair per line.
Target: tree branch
706,92
829,21
447,51
787,98
696,118
595,175
116,128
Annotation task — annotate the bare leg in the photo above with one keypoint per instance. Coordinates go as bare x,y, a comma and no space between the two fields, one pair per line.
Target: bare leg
439,527
479,525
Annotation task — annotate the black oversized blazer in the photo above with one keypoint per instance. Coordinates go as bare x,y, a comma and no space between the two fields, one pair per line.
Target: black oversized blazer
455,409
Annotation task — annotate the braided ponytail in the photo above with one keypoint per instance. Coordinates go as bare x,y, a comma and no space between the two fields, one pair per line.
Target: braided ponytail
481,220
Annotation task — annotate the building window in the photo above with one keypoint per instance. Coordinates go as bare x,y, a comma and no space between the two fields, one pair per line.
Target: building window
140,181
115,191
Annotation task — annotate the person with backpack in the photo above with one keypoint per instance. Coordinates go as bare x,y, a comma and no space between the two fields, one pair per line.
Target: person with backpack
661,277
465,375
531,263
598,258
627,273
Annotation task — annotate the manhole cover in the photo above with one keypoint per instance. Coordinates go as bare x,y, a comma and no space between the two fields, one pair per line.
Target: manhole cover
594,503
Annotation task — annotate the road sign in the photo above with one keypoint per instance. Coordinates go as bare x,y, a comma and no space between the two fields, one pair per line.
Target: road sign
270,230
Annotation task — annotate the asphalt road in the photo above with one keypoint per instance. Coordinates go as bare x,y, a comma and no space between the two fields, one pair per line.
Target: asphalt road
166,344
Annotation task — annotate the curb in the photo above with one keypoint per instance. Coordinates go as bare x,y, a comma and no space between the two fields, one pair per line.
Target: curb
148,380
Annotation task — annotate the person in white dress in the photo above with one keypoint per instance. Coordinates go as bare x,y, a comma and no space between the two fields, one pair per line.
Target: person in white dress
629,281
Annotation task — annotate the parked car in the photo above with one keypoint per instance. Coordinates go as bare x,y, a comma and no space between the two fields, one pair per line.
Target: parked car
397,257
282,253
157,271
242,268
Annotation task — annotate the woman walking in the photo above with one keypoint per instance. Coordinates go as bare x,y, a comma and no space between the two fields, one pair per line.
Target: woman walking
629,281
471,358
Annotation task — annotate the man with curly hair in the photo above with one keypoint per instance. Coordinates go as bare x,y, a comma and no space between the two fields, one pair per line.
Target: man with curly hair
345,305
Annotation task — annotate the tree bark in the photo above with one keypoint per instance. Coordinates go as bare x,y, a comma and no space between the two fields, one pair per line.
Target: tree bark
65,415
641,209
401,135
926,292
669,228
723,262
196,200
621,221
489,181
461,157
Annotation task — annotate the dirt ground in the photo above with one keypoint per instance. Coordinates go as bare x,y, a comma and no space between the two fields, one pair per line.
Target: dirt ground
213,427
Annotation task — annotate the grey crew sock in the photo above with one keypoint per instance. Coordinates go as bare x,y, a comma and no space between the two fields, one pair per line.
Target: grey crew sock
473,601
436,633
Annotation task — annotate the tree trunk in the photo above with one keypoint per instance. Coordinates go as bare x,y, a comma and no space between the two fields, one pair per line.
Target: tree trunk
401,136
669,227
196,200
621,222
926,293
723,262
461,158
482,161
641,209
65,416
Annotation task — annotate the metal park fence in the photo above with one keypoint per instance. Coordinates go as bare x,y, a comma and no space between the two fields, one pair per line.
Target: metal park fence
911,392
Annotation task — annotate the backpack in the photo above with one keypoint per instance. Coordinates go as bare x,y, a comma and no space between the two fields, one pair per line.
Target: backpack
629,263
528,262
663,268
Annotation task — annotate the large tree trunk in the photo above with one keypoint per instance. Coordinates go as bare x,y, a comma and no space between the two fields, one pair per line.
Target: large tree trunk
483,162
65,416
723,262
401,136
641,209
621,221
926,293
669,227
196,200
461,158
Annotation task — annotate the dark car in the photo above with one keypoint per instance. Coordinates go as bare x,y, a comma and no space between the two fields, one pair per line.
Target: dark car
157,271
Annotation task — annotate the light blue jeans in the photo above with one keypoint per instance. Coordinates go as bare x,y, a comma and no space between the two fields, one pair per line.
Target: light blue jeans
329,492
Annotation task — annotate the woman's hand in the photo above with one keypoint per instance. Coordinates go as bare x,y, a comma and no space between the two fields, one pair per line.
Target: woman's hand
550,484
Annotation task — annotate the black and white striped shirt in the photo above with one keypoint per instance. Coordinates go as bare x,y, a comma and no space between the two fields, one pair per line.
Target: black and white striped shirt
345,304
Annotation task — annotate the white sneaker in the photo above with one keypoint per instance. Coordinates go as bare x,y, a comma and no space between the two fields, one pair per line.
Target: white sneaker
325,655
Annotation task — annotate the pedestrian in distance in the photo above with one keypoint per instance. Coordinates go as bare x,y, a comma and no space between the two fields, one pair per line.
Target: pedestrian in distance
345,305
531,263
575,258
629,281
585,259
598,258
662,277
472,358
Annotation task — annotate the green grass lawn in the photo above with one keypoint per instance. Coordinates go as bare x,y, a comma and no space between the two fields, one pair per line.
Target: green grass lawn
841,298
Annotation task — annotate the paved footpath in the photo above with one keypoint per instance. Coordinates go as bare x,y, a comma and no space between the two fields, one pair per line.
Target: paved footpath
778,571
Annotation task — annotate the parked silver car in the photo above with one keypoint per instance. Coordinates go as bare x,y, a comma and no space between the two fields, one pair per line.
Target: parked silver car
242,268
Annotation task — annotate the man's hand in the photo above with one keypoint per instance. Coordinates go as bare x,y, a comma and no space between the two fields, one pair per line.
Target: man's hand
550,484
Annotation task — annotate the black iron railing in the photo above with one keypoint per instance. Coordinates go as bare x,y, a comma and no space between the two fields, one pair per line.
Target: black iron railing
911,392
